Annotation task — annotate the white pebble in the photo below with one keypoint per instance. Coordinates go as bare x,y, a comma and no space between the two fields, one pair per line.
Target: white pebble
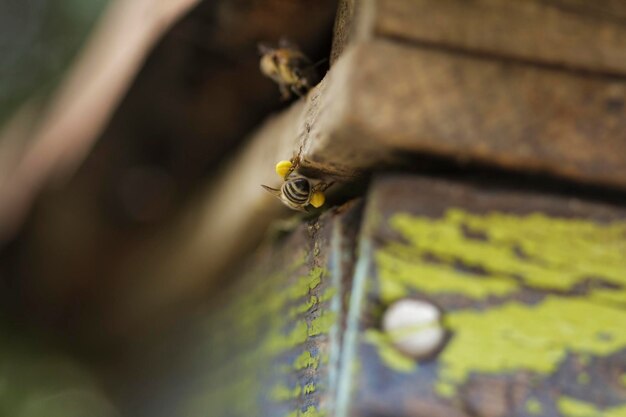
414,327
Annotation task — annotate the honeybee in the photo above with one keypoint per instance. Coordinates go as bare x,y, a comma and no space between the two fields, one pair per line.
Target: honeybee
297,191
288,67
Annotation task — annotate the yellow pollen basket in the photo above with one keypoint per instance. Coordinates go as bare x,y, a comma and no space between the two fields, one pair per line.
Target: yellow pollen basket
317,199
283,168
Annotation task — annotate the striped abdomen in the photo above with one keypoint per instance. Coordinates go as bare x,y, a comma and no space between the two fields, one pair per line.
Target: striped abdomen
297,191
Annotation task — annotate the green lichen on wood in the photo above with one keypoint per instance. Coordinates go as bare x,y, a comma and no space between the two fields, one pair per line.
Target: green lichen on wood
281,392
537,338
571,407
322,324
534,407
309,412
270,318
496,254
306,360
544,252
582,378
388,354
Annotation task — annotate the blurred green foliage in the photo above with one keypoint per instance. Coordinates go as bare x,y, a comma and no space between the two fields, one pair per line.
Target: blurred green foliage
37,381
38,41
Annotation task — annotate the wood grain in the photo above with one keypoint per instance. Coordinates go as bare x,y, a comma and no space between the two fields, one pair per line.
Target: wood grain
574,34
383,97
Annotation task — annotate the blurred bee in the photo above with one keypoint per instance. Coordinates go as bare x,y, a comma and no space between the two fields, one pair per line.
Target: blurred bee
297,191
288,67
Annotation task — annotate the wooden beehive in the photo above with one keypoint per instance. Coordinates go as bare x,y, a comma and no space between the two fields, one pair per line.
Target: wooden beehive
485,143
507,120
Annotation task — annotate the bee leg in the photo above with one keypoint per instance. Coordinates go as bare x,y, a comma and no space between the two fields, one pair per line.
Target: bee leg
299,90
295,162
322,186
285,92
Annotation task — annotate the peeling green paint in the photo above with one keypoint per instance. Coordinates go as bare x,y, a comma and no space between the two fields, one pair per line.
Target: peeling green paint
304,307
270,319
329,293
571,407
445,389
389,355
322,323
280,342
281,393
479,256
535,338
306,360
533,406
543,252
401,269
310,412
582,378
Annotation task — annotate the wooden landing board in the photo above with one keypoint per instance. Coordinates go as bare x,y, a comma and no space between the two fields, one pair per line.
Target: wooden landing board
574,34
532,289
270,343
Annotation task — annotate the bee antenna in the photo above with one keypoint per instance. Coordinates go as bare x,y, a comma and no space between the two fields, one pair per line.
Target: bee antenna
285,42
320,62
264,48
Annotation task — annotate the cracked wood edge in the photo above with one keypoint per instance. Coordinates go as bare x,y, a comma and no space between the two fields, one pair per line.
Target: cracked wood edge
383,97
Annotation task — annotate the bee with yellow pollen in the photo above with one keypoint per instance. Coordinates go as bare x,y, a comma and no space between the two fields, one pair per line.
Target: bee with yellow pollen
297,191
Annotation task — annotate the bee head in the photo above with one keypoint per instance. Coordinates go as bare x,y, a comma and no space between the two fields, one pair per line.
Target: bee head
269,65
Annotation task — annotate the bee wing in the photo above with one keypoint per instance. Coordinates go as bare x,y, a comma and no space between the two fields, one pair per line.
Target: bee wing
264,48
288,43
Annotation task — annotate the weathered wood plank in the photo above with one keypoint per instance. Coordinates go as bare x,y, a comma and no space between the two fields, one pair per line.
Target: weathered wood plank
269,344
572,33
345,22
383,97
532,289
